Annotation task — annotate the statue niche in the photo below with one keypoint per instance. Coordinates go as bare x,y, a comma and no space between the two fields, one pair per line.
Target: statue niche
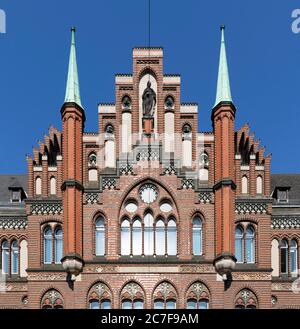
149,101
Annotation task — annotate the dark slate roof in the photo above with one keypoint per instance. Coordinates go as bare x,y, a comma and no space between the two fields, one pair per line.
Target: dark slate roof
7,181
288,180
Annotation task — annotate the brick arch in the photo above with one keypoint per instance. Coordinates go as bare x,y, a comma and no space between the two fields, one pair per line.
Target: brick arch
203,281
95,213
142,180
203,294
49,219
165,279
147,70
169,294
245,287
45,290
246,218
134,281
87,292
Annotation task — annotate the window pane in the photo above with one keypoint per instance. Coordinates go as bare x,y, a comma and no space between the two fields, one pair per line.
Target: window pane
203,304
94,305
125,238
100,239
158,304
170,304
250,257
106,304
5,257
172,238
138,305
14,258
284,257
58,245
191,304
149,236
294,256
239,245
160,238
137,238
197,236
48,246
126,304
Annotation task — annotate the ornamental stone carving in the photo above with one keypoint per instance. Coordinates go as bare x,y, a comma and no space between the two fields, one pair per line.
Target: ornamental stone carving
13,223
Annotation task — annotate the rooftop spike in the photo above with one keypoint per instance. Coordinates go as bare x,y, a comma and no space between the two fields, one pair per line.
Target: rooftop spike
223,88
72,89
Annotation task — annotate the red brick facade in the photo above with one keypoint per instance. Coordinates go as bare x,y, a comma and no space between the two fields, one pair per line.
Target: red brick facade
82,197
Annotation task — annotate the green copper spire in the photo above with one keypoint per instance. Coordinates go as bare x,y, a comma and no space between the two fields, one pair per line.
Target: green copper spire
223,88
72,90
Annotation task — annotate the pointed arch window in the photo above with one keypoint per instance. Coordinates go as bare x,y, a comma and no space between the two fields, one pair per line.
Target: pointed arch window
284,247
125,237
38,186
132,296
294,257
250,245
246,299
100,296
148,234
52,186
244,185
197,296
52,299
259,185
165,296
5,257
172,237
58,244
48,245
239,244
14,257
197,236
137,237
100,237
160,238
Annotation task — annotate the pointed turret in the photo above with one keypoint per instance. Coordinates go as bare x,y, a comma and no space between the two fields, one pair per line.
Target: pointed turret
223,88
72,89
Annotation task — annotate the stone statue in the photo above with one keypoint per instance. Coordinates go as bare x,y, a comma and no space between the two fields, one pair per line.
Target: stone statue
149,101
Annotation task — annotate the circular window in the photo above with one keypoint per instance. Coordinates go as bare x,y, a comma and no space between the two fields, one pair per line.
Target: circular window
131,206
148,193
165,206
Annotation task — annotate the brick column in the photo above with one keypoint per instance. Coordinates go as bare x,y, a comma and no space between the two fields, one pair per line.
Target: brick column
72,189
223,116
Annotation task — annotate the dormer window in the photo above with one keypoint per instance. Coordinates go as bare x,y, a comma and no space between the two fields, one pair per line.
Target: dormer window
282,194
16,196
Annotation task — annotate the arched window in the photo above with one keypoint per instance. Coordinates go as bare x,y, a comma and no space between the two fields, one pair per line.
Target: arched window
244,185
250,245
275,257
14,257
48,245
148,234
259,185
125,237
239,244
5,257
100,237
197,236
100,296
284,247
132,296
172,237
197,296
52,299
294,256
58,244
160,238
52,186
164,296
137,237
246,299
38,186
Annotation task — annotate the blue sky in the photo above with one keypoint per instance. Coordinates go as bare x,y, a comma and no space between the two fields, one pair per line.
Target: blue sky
263,55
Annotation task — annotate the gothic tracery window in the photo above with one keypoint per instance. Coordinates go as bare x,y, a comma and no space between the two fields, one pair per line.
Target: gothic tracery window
197,236
52,299
132,296
246,299
100,296
245,244
100,236
164,296
53,244
197,296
